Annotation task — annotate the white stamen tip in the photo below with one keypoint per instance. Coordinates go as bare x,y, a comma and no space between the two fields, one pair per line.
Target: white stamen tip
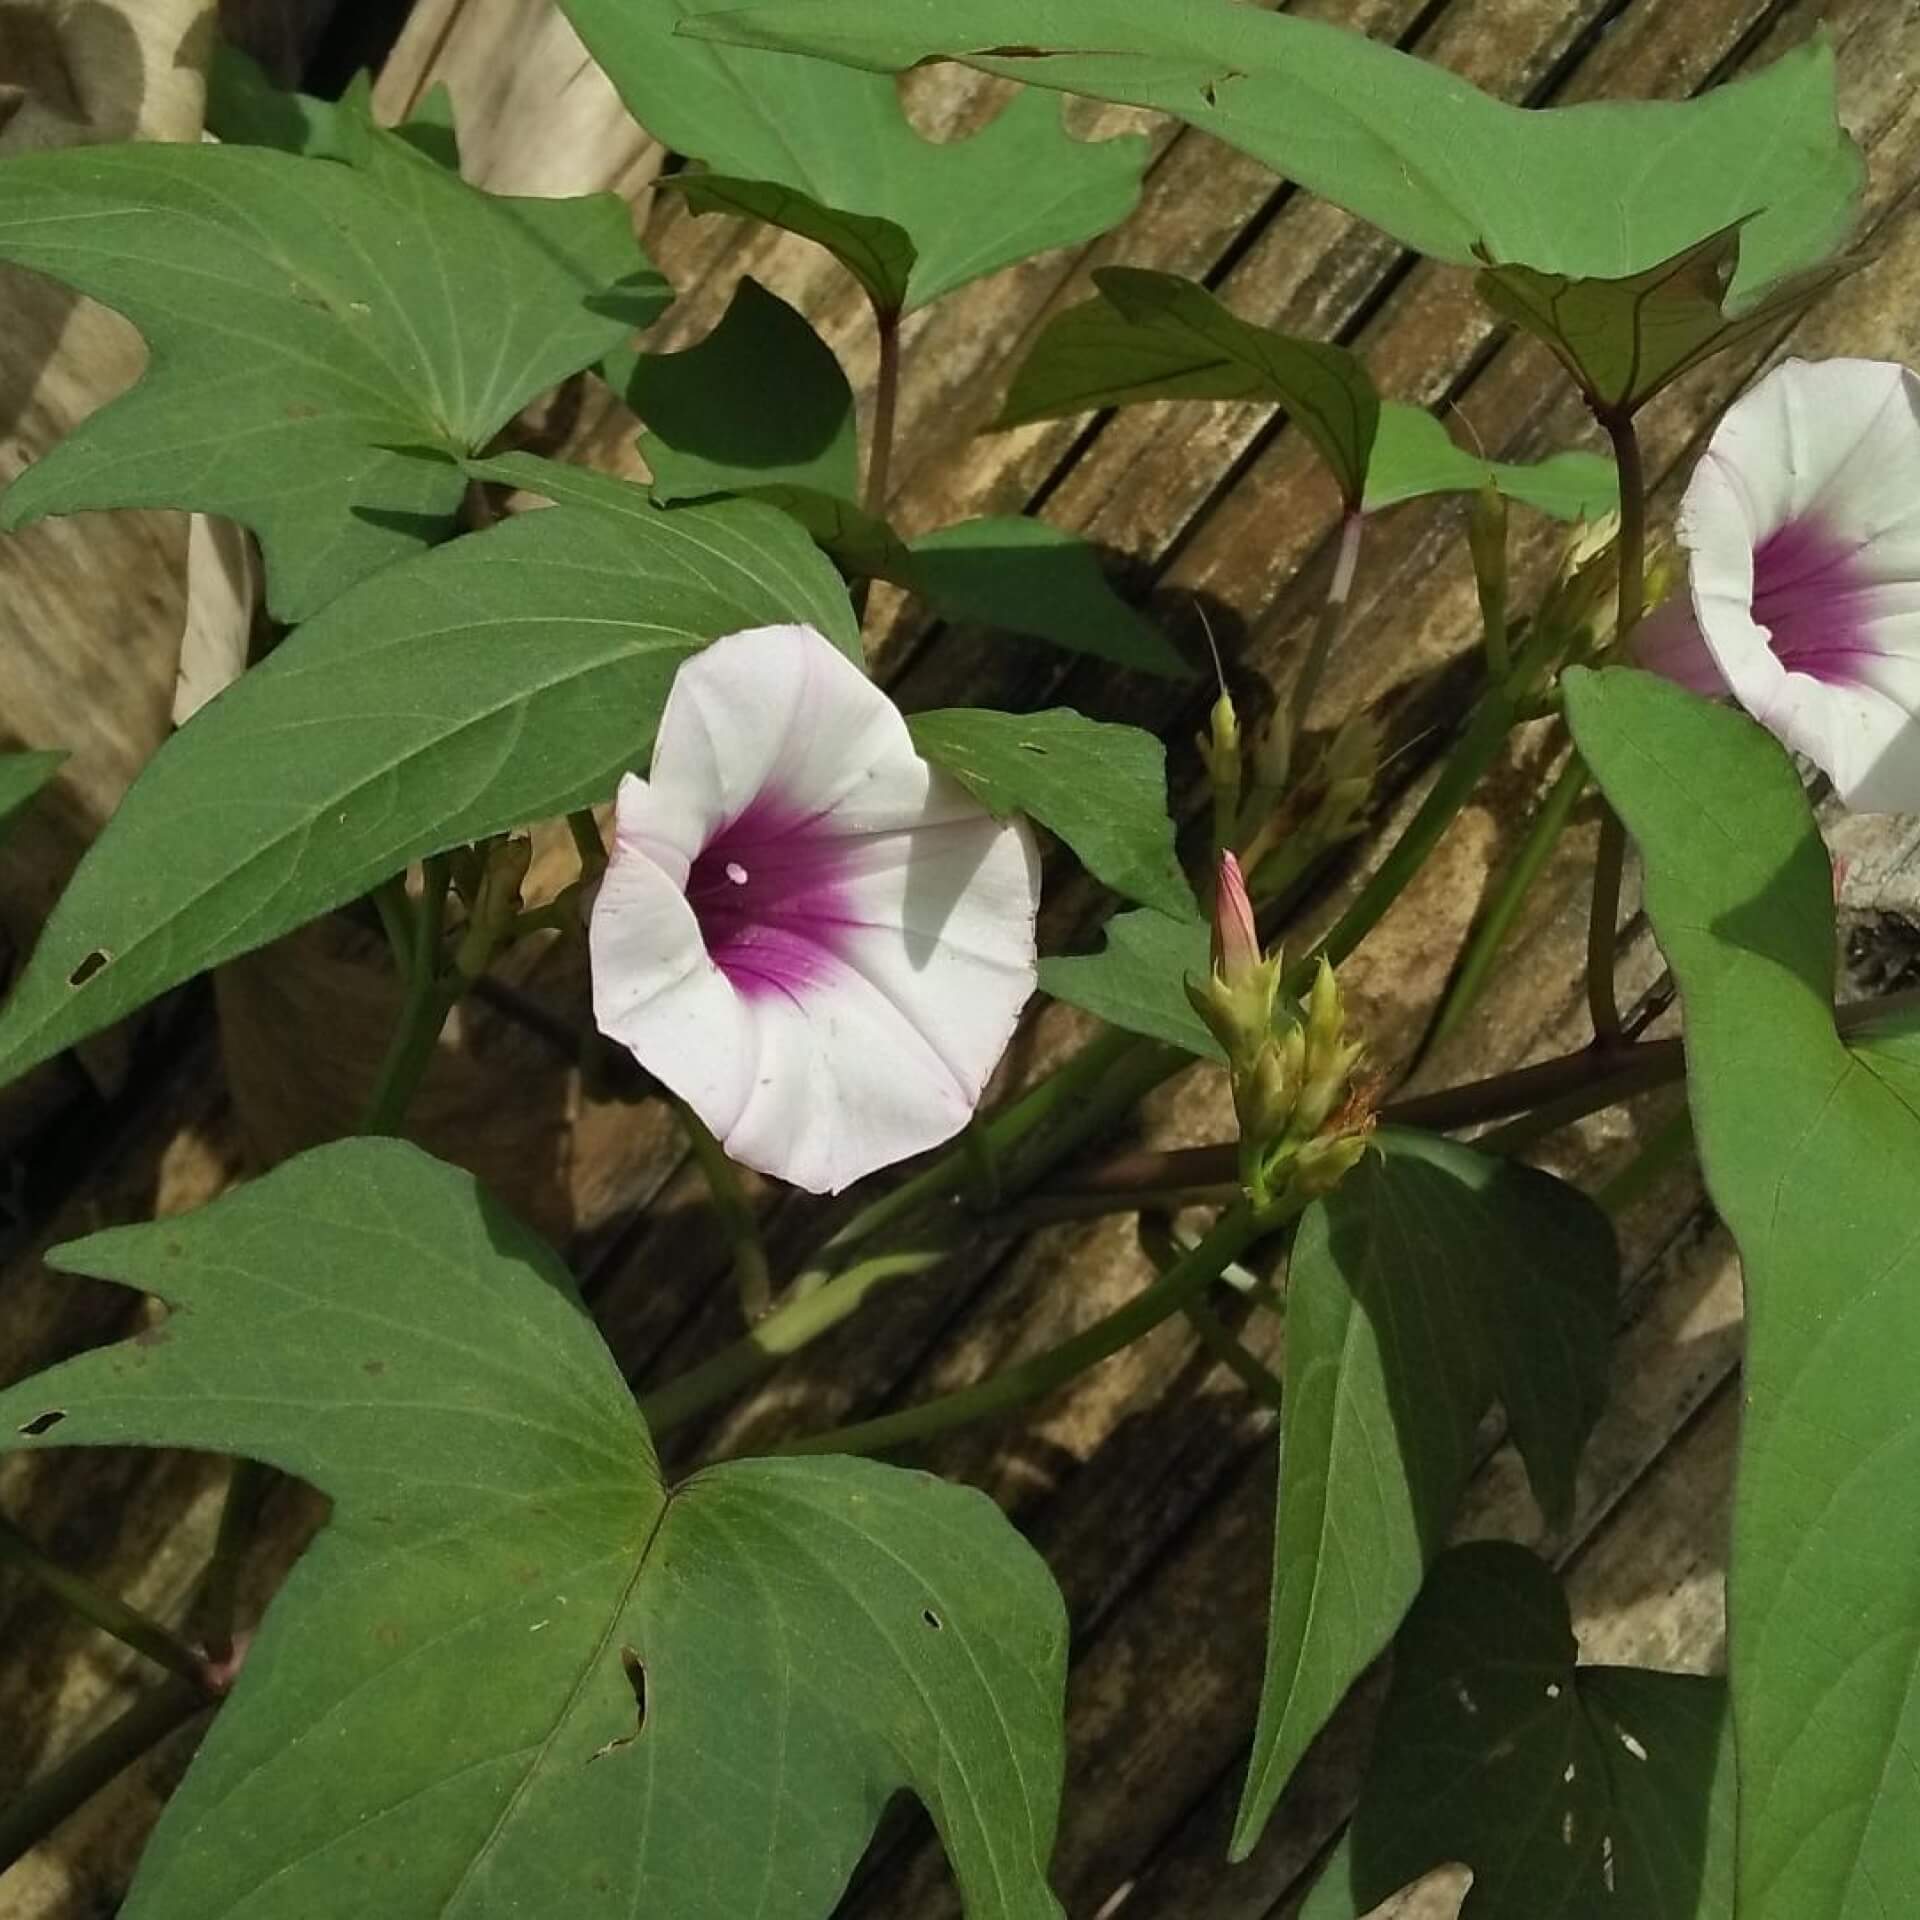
736,873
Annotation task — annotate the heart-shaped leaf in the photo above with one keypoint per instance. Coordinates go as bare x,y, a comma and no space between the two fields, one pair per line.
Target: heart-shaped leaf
507,677
1414,455
828,153
1596,191
516,1674
1101,788
1573,1793
325,340
1809,1149
1430,1282
1137,980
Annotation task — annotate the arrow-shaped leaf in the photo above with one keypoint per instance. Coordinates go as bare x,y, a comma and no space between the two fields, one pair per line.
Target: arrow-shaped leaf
507,677
516,1674
325,341
1809,1149
829,154
1432,1281
1137,980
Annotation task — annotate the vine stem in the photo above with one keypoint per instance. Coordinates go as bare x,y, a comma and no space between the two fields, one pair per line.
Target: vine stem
886,404
42,1804
1186,1280
1603,923
1326,630
107,1611
423,1011
735,1213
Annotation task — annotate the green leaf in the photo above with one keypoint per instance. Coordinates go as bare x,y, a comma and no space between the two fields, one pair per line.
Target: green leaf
1625,339
1430,1282
326,341
245,108
1156,336
1414,455
1137,981
1102,788
1023,576
828,153
1809,1151
1573,1793
515,1674
22,775
1600,190
760,403
507,677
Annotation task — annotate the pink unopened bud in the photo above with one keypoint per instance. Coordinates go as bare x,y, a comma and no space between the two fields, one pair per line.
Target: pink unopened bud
1236,940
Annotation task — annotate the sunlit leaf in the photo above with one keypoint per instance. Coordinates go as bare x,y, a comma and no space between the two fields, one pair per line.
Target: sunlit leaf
1101,788
516,1674
1573,1793
1432,1281
828,153
1623,340
1156,336
1810,1151
245,108
1414,455
1137,980
498,680
326,341
1599,190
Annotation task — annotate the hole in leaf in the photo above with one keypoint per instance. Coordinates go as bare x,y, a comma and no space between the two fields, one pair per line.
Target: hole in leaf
40,1423
88,967
636,1671
932,1619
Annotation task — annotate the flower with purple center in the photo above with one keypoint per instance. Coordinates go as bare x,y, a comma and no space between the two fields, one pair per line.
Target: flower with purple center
817,940
1802,530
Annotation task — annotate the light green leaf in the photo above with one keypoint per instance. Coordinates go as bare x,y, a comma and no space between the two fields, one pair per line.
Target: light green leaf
1573,1793
1156,336
1600,190
1101,788
1432,1281
326,341
1810,1153
761,403
829,153
1023,576
22,775
1137,981
515,1674
1414,455
504,678
1623,340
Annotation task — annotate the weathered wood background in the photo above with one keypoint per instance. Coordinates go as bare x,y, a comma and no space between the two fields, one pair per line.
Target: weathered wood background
1149,1485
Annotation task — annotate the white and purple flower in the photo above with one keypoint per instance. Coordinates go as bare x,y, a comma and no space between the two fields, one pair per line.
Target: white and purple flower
1802,530
816,939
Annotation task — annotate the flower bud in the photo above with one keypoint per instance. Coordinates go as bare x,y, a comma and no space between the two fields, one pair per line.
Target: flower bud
1487,542
1329,1057
1220,753
1236,1000
1321,1165
1236,940
1263,1095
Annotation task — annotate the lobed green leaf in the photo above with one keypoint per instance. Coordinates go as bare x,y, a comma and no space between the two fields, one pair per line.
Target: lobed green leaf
515,1673
504,678
1137,981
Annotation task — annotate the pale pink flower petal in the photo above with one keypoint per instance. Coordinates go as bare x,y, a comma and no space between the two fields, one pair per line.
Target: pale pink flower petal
1802,527
817,940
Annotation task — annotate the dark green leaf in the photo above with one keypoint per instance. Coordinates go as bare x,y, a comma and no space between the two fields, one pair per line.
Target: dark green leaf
1810,1153
245,108
22,775
1155,336
1573,1793
501,679
1137,981
514,1674
1600,190
1432,1281
830,154
327,341
1101,788
1623,340
760,403
1023,576
1413,455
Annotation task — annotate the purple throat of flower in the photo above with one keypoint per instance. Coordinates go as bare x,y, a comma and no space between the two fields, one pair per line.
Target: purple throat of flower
1811,592
772,894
